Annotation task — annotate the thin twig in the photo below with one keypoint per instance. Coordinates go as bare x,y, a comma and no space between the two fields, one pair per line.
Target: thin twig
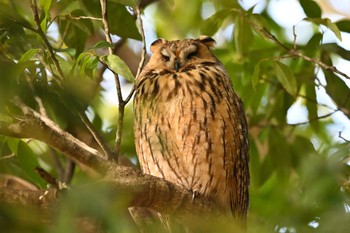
314,119
68,171
107,152
295,53
50,179
294,38
341,136
142,32
83,17
44,38
105,23
121,104
87,123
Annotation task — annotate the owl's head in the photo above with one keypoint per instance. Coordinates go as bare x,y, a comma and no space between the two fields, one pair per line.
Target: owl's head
181,55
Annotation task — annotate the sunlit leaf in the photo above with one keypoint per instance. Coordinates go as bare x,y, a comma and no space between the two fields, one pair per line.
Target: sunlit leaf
212,24
29,162
46,4
286,77
28,55
116,64
243,35
71,51
328,23
102,44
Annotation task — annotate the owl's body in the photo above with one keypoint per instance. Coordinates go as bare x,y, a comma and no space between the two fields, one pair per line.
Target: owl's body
190,127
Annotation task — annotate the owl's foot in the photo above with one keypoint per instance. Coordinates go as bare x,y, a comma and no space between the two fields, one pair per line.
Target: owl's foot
194,194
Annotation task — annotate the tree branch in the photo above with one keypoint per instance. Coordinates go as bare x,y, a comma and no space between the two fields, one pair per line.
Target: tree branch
146,191
294,53
34,125
142,33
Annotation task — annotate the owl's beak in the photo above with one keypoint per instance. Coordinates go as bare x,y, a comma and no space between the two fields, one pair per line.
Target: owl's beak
177,65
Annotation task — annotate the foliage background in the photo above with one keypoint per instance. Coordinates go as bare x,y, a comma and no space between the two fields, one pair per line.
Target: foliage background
299,170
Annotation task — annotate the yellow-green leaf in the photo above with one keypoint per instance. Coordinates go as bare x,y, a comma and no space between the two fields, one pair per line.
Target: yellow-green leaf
243,35
256,75
328,23
286,77
28,55
116,64
211,25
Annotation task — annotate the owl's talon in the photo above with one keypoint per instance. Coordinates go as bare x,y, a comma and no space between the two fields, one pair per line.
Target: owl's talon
194,194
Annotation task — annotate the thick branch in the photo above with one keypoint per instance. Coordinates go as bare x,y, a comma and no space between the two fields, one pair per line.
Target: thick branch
42,199
146,191
43,129
158,194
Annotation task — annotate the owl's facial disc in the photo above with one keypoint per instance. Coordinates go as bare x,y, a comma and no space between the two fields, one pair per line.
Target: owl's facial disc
176,58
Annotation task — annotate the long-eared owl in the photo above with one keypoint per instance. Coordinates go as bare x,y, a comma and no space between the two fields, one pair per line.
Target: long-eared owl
189,124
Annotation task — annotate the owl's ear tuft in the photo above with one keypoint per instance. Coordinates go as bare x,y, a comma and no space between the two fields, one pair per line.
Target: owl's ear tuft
157,43
207,40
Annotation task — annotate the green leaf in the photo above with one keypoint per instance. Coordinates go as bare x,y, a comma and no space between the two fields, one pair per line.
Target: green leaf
311,8
286,77
12,143
102,44
70,51
28,162
243,35
132,3
28,55
212,24
338,90
121,22
116,64
311,106
46,4
334,48
256,75
259,25
328,23
343,25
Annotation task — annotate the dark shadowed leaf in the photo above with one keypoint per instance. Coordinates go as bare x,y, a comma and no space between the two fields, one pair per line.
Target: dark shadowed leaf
338,90
132,3
343,25
256,75
122,23
311,8
311,105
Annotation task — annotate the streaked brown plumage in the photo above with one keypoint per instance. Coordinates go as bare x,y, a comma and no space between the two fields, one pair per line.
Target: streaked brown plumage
190,126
